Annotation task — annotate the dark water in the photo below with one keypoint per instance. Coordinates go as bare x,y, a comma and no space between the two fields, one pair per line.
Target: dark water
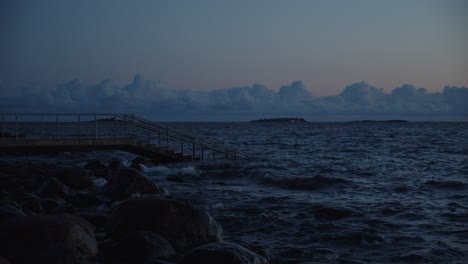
338,192
335,192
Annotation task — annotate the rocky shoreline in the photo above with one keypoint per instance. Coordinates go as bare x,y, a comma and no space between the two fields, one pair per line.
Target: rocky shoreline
105,212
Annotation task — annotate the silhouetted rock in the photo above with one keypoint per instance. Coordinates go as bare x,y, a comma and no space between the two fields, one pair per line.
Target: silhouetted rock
222,252
74,177
181,223
99,169
84,198
140,247
4,260
27,238
9,211
53,188
129,181
96,219
31,202
115,165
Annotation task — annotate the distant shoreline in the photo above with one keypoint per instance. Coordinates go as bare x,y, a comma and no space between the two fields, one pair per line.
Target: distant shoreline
380,121
280,120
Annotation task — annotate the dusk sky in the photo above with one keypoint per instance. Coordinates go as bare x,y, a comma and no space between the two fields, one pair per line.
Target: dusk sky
208,45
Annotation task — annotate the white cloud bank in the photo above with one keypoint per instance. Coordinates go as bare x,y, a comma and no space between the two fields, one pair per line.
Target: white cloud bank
150,99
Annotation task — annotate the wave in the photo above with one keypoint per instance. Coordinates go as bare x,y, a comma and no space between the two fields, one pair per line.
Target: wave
305,183
163,170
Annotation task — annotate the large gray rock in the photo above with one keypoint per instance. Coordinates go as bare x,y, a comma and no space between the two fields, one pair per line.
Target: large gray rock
129,181
26,238
222,252
184,225
140,247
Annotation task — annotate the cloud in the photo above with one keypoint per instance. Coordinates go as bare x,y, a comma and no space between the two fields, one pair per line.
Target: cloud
153,100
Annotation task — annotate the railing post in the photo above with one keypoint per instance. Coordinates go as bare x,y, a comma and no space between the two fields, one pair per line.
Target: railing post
133,125
202,151
3,127
56,126
193,151
96,125
42,125
16,126
167,137
79,126
125,125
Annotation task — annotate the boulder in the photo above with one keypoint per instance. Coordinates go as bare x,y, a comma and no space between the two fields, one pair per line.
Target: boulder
84,198
74,177
222,252
52,188
99,169
23,238
140,247
115,165
129,181
184,225
98,220
50,205
4,260
9,211
31,202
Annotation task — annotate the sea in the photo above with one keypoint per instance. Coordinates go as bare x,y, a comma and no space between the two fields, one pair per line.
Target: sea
349,192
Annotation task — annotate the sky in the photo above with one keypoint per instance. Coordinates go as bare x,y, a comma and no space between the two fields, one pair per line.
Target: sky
194,49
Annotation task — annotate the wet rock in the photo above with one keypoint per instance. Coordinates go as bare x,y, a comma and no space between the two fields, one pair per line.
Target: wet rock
222,252
140,247
4,260
181,223
31,203
26,238
50,205
74,177
99,169
141,161
9,211
129,181
115,165
84,198
54,254
52,188
96,219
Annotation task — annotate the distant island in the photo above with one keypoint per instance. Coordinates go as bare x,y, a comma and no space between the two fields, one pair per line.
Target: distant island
375,121
280,120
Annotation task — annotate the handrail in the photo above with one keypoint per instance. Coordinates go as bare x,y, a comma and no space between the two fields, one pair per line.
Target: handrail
127,125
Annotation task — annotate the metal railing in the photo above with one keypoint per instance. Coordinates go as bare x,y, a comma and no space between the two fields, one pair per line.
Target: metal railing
82,126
